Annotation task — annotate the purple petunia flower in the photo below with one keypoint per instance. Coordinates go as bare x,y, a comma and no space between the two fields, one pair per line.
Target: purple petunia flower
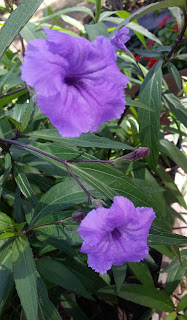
120,38
78,83
115,235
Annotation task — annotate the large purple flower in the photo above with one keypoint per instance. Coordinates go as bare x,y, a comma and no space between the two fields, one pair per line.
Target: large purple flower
115,235
78,84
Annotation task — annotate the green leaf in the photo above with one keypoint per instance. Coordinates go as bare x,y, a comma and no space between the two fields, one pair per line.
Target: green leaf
16,21
6,223
16,123
6,235
153,53
7,75
46,308
173,278
6,278
85,140
53,244
112,183
182,303
8,167
150,8
182,317
149,297
61,196
119,273
142,273
176,107
27,115
160,236
150,94
173,189
73,22
175,74
95,30
32,32
72,308
25,276
136,27
6,98
90,279
170,150
67,10
135,103
24,185
55,272
171,316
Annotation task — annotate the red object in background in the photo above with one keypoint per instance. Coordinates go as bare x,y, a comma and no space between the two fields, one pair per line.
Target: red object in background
175,27
152,61
162,23
138,57
150,44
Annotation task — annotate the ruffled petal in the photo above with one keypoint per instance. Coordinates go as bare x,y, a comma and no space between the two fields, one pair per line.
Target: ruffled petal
93,229
78,83
121,213
40,67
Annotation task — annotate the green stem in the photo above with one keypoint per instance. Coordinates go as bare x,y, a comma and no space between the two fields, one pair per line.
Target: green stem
98,10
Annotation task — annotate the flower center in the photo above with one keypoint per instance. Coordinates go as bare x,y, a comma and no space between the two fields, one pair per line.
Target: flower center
116,234
70,81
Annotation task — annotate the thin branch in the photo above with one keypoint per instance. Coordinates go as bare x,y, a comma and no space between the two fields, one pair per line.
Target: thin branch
178,228
7,142
22,45
178,41
12,92
90,197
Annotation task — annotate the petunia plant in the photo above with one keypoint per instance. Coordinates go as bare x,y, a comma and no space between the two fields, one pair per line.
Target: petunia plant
90,144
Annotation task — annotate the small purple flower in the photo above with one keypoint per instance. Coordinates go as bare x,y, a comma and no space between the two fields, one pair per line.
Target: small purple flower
78,83
120,38
115,235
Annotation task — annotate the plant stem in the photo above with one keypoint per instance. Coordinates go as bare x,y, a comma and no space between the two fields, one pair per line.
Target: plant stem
44,225
90,197
178,41
65,162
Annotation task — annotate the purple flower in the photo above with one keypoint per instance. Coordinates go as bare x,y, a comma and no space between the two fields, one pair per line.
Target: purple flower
120,38
78,83
115,235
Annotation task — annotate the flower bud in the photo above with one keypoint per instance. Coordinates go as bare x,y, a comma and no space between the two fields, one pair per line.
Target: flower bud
78,216
138,154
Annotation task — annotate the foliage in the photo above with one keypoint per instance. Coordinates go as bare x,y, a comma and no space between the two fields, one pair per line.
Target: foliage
46,180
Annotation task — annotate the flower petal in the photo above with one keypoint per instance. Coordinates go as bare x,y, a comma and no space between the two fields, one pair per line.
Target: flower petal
40,66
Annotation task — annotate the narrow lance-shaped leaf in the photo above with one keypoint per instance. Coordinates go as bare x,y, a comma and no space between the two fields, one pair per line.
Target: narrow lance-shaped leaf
176,107
6,279
25,276
16,22
150,8
149,297
172,151
24,185
175,74
55,272
85,140
46,308
150,94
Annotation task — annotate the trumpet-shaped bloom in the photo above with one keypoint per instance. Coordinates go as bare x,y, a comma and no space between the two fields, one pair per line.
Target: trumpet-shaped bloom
120,38
77,82
116,235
